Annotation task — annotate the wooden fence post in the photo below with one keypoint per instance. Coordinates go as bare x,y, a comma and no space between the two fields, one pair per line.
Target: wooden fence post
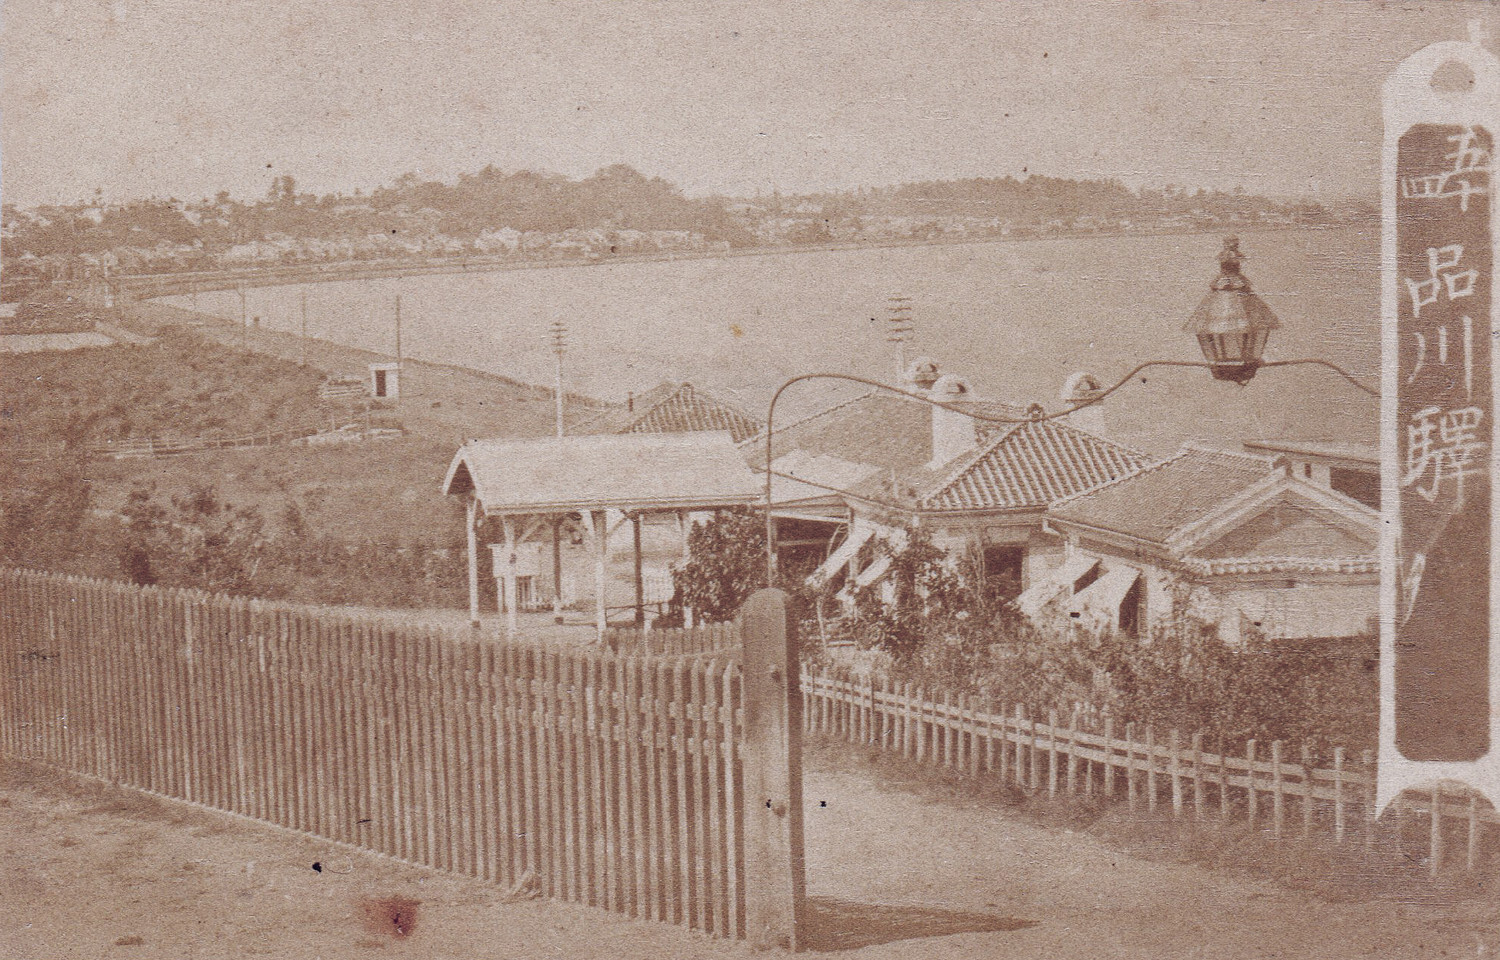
775,881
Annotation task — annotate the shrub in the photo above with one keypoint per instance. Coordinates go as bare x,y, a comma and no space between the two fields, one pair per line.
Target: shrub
940,631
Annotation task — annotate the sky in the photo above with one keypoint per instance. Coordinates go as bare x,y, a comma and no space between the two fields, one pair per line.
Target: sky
183,98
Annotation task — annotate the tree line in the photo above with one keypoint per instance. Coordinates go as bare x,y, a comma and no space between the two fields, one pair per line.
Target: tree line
607,212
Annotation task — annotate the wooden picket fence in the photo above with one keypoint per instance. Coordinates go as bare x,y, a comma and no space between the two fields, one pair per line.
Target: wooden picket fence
579,775
1284,793
714,639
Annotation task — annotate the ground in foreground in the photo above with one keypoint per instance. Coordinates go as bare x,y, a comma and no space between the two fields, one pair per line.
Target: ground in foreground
91,871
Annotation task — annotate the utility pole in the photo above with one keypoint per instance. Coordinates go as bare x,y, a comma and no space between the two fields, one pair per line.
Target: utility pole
899,331
304,326
559,347
398,334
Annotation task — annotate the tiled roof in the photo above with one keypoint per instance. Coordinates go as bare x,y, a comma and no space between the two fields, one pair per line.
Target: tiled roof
1032,465
885,430
1365,453
674,408
1231,565
803,475
1158,500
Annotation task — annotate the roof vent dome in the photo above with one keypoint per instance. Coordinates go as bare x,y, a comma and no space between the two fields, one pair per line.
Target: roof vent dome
951,386
1080,387
922,373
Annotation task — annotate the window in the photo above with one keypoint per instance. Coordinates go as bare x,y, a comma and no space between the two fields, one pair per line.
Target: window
1133,609
1002,572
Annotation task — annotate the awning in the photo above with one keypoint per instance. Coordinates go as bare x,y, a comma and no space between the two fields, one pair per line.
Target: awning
1044,591
873,572
1098,605
857,538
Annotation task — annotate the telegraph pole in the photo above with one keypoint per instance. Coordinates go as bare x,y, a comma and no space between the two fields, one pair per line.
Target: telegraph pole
398,334
899,330
559,347
304,326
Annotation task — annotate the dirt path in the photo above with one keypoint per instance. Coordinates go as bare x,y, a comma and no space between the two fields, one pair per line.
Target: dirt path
93,872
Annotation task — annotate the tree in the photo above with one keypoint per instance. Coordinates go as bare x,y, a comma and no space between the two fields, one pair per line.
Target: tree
201,542
726,563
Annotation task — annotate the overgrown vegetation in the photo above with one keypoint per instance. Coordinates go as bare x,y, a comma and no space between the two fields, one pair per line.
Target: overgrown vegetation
198,540
726,564
934,626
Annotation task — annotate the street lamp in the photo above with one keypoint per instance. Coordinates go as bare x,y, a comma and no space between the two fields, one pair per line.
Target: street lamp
1232,324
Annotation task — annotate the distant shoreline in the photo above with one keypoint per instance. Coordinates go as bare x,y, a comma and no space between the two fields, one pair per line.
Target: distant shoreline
151,286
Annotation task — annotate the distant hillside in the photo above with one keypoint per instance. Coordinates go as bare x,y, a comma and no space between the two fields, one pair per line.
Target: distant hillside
617,211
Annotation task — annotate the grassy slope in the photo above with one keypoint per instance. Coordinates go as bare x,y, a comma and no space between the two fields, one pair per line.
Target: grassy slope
196,380
387,491
180,385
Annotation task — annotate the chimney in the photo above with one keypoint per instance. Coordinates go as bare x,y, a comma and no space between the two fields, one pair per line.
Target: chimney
1082,387
953,433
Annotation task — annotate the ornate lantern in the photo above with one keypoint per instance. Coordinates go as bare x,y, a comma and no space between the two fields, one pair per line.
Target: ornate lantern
1232,324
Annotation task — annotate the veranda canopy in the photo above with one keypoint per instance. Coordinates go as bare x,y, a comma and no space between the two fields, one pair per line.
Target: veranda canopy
631,471
634,472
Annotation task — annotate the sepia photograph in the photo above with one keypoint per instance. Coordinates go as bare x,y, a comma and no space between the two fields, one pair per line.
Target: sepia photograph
856,478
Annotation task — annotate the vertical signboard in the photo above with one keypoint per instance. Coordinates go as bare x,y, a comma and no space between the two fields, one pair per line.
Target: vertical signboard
1439,650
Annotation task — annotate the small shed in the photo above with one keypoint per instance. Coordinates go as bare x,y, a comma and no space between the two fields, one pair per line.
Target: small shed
385,380
636,473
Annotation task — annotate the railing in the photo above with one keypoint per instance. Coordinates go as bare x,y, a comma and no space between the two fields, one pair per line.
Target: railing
175,446
605,780
1277,789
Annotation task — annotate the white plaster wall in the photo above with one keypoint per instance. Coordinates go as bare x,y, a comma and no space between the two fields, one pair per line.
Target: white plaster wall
1304,609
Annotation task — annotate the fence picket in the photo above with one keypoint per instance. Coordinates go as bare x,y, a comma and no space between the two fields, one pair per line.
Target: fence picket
1074,722
1197,775
1278,796
1251,799
1109,758
1471,858
1150,769
608,780
1052,753
1307,790
1435,830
